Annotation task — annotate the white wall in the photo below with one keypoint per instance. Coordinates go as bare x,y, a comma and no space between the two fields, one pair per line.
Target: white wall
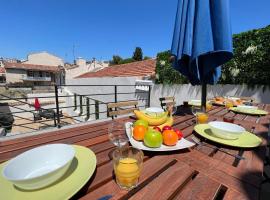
14,75
84,90
186,92
44,58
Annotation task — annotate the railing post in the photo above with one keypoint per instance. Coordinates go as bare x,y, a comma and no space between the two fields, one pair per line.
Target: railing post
96,109
75,101
149,96
87,109
115,94
57,106
81,106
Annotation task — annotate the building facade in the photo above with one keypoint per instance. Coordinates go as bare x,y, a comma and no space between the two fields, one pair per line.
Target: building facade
39,69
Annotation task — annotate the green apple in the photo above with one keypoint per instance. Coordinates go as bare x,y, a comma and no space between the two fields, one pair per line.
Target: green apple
141,122
153,138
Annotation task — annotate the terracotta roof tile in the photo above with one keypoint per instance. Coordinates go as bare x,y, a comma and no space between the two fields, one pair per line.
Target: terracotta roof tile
34,67
140,68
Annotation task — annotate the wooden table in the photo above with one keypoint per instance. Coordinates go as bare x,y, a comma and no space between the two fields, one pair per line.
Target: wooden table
199,173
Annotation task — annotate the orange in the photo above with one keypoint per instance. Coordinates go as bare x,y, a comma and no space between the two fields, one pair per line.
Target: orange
170,137
138,132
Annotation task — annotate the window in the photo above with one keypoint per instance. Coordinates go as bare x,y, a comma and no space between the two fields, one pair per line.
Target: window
2,79
30,73
40,73
48,74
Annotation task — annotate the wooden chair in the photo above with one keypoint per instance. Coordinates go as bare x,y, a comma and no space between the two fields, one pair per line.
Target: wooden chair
121,108
166,101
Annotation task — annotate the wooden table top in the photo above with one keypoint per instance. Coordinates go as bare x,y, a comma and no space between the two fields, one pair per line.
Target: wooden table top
202,172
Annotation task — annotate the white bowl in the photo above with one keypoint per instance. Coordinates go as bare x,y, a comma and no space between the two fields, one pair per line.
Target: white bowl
39,167
247,107
226,130
154,111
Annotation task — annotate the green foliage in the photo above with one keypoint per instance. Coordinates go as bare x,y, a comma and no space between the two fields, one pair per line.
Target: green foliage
127,60
251,62
116,60
165,74
137,54
146,57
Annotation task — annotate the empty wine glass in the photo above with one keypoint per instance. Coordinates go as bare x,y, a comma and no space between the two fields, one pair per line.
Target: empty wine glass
117,133
172,109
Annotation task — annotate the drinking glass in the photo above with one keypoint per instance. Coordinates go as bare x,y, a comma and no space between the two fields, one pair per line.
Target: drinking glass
117,133
209,105
228,104
202,117
127,164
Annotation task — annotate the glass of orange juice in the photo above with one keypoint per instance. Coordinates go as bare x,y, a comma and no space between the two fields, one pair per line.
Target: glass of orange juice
228,104
127,163
202,117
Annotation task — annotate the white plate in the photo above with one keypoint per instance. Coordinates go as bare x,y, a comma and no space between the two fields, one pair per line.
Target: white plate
181,144
194,102
154,110
234,98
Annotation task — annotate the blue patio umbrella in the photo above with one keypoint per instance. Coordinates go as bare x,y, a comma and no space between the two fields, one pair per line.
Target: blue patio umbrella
202,40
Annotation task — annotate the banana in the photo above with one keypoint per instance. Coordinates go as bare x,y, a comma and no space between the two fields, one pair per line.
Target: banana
152,120
169,122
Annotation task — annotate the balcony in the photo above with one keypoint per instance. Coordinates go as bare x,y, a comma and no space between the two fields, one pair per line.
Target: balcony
35,78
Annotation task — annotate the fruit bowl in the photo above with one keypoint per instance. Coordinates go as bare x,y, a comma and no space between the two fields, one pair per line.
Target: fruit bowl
39,167
181,144
226,130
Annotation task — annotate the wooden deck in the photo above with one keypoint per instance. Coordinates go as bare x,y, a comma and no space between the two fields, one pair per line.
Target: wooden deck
202,172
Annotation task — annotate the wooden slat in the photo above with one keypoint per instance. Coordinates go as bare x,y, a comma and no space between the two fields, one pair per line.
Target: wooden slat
122,104
121,112
201,187
151,169
172,179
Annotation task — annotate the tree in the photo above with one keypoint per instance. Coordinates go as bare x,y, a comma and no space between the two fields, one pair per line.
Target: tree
138,54
116,60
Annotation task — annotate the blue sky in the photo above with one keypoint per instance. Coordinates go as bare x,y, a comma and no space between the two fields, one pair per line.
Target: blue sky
102,28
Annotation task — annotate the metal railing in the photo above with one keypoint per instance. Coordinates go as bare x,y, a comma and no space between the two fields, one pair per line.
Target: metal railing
85,106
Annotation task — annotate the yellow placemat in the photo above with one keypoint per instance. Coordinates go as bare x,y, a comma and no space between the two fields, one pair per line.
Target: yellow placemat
245,140
80,171
249,111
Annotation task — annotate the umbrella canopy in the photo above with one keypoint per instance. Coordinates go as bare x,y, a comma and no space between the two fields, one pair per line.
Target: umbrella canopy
202,39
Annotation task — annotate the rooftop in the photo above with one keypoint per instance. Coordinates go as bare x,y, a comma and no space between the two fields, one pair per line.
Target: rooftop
34,67
139,68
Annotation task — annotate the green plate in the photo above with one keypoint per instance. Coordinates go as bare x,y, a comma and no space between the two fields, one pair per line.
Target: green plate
249,111
80,171
246,140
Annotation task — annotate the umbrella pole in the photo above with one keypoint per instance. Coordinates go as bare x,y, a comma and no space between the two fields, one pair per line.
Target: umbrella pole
204,90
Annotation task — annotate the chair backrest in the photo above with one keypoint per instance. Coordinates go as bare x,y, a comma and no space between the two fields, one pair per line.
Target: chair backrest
166,101
121,108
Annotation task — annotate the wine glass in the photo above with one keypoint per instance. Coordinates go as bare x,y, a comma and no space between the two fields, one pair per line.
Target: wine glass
117,133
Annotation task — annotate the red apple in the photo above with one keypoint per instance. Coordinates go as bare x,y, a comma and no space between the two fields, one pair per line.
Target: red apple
157,128
179,133
166,128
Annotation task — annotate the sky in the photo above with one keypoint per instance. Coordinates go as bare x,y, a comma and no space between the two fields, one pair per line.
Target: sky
103,28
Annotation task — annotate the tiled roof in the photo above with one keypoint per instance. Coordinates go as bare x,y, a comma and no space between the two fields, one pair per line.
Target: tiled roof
33,67
140,68
2,70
